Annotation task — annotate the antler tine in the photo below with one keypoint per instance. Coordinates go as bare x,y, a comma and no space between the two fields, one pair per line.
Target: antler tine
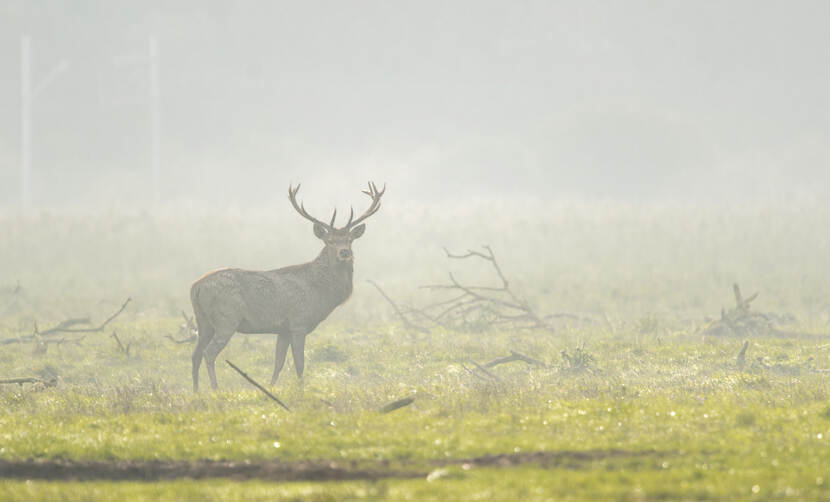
375,194
333,216
300,208
351,216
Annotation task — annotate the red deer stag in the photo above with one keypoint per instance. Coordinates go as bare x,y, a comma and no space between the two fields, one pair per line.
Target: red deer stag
289,301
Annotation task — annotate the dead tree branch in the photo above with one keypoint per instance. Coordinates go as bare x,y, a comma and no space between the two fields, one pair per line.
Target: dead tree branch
485,371
741,359
67,326
258,386
515,356
409,324
474,306
395,405
20,381
743,322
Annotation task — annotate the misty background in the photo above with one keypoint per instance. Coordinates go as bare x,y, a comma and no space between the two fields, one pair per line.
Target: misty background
445,101
623,159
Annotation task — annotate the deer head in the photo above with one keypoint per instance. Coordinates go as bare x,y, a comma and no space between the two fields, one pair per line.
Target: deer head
338,241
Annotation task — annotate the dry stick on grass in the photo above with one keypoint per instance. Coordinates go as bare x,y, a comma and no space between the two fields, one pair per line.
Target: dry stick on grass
184,340
475,374
125,349
21,381
395,405
258,386
515,356
189,327
485,371
741,359
67,326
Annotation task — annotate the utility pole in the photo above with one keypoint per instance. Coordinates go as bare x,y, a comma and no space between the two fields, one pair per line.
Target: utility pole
25,123
27,95
155,119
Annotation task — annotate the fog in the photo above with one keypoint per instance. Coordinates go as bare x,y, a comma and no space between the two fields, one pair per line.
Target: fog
630,158
598,269
447,102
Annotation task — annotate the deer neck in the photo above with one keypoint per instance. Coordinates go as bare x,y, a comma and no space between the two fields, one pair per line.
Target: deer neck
335,273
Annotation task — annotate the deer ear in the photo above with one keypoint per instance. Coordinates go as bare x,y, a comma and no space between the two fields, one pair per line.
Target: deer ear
357,231
320,231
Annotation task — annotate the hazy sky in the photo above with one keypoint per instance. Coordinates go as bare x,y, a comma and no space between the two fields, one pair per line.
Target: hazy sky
444,100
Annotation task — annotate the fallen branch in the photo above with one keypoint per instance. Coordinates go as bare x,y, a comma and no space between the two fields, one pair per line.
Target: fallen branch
401,316
741,359
395,405
67,326
125,349
474,306
486,371
258,386
20,381
473,373
515,356
183,340
741,321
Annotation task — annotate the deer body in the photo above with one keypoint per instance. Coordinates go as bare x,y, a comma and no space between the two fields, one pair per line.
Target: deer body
289,302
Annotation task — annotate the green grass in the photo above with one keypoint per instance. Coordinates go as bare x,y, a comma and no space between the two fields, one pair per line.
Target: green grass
685,421
697,426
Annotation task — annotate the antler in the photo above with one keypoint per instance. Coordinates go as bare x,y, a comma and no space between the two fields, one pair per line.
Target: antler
375,194
372,192
292,196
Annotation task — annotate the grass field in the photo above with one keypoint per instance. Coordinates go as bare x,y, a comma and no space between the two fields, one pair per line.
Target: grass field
635,402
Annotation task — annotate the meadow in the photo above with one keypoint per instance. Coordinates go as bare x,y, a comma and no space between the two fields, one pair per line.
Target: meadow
635,400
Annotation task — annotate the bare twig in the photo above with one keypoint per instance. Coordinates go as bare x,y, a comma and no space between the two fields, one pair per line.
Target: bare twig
125,349
515,356
183,340
395,405
475,374
20,381
741,359
258,386
401,316
485,371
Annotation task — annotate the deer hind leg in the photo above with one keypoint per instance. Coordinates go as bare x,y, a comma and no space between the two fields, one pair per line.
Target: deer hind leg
206,331
218,342
283,342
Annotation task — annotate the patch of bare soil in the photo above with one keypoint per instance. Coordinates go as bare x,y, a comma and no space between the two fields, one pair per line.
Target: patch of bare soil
562,458
155,470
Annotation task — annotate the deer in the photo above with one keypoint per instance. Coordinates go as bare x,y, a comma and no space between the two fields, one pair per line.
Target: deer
289,302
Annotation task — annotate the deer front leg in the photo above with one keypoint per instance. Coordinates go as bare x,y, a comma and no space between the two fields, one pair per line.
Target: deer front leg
297,351
283,342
